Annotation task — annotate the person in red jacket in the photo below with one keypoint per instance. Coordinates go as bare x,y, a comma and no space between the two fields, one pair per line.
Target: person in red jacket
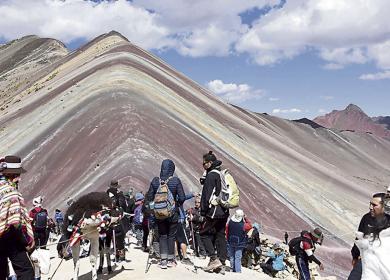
39,218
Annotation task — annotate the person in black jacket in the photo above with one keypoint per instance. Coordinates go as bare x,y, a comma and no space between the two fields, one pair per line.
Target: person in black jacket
196,221
167,228
366,226
213,228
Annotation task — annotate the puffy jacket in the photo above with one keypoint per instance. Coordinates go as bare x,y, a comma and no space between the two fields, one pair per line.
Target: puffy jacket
236,234
174,184
212,182
277,260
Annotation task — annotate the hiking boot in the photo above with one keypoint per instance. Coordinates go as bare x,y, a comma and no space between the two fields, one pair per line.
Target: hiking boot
171,263
163,264
109,269
213,265
186,261
100,270
222,269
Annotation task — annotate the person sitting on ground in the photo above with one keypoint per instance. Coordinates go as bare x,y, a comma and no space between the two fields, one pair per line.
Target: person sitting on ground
236,235
40,220
305,252
275,262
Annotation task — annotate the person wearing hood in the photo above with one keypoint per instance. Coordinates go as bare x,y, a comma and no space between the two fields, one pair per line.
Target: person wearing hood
40,220
167,227
213,229
16,235
252,251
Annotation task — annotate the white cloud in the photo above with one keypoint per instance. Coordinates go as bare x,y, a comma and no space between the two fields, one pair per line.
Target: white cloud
341,32
286,111
376,76
322,111
273,99
232,92
327,97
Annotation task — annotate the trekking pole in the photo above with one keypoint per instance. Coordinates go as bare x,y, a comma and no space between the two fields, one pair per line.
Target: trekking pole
114,243
193,242
150,239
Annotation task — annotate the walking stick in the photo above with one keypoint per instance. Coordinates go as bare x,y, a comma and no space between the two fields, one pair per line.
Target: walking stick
151,250
193,239
114,243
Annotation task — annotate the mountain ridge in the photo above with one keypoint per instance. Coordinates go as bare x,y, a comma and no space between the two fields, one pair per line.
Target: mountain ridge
113,110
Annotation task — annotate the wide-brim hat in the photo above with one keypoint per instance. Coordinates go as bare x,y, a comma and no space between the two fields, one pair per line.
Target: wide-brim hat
11,165
238,216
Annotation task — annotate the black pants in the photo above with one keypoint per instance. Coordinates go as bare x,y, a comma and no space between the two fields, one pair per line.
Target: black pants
213,236
356,273
12,248
145,230
41,237
199,247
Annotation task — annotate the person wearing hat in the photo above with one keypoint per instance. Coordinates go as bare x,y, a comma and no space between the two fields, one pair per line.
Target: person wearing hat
213,229
306,252
275,262
39,217
236,235
16,235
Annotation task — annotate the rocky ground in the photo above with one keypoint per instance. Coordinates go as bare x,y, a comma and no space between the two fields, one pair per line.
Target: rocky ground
135,266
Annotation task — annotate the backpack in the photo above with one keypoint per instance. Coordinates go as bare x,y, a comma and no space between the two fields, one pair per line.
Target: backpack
138,215
164,202
229,197
294,245
40,220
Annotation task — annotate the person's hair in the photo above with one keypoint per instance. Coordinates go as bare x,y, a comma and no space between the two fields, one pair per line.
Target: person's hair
381,195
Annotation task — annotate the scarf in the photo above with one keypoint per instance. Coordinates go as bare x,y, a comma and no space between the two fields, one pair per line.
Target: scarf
13,211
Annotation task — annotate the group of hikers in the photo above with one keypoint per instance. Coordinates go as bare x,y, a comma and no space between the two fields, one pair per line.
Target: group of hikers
165,229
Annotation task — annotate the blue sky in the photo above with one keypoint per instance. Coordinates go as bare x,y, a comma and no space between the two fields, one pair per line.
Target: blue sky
293,59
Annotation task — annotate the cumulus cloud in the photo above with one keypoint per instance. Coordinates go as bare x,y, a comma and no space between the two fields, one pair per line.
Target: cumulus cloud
235,93
339,32
376,76
286,111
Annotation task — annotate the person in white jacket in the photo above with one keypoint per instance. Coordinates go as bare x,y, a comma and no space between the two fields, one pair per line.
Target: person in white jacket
375,247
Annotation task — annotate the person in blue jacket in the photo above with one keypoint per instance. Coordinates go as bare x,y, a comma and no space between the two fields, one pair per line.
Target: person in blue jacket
275,262
167,228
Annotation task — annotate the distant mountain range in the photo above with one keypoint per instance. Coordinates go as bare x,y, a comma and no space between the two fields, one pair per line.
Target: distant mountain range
352,118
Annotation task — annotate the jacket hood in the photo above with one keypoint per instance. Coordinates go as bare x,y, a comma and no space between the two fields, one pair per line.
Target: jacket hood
215,165
167,169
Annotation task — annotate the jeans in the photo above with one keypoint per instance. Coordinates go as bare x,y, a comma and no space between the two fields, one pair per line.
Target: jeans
356,273
213,235
167,231
303,268
235,257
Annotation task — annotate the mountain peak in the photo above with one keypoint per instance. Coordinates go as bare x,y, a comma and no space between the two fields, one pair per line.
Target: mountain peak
352,107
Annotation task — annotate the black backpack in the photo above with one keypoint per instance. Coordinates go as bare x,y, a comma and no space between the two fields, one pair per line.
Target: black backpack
294,245
40,220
